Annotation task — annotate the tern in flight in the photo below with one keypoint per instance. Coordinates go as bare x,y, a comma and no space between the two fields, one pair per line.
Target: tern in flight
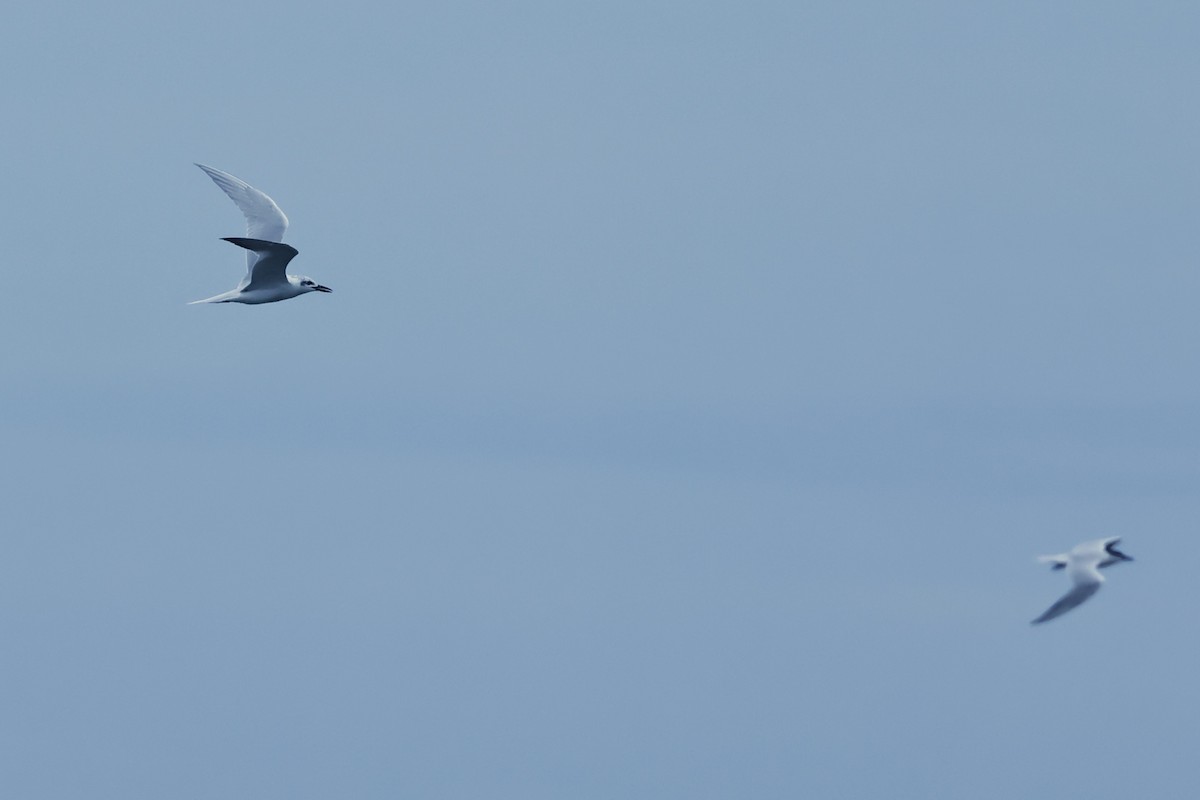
267,257
1083,563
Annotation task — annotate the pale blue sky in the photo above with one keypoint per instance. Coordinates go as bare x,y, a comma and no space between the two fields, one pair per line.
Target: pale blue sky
698,384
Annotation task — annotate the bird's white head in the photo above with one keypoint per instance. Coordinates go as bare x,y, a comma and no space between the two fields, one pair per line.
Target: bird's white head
307,284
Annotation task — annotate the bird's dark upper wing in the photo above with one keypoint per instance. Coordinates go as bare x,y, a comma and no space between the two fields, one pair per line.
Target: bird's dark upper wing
1077,595
273,258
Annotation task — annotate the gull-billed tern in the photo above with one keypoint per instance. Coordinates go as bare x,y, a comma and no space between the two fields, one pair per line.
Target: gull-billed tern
1083,563
266,278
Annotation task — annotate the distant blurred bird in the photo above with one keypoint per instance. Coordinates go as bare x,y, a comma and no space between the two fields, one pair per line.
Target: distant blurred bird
1083,564
266,278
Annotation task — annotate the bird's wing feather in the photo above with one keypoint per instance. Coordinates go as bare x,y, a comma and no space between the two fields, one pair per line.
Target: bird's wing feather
271,267
1079,592
264,219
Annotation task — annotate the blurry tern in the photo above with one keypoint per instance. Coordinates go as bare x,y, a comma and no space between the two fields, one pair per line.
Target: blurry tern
1083,564
267,258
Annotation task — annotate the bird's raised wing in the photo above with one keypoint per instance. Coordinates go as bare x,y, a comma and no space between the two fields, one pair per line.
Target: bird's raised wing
271,267
1079,592
264,219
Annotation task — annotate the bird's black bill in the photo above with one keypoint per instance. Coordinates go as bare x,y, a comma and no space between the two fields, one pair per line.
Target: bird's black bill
323,289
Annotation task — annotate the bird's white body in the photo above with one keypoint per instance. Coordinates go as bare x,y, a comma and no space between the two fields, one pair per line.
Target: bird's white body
1082,564
251,297
266,279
